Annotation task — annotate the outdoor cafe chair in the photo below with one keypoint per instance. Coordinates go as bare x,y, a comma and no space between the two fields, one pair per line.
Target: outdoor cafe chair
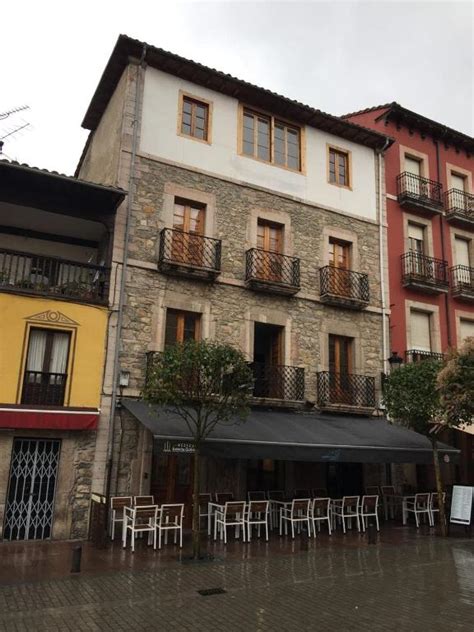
139,520
373,490
369,507
224,497
320,512
420,506
319,492
276,494
297,513
204,500
434,504
170,518
256,495
390,500
256,515
347,509
302,493
117,504
143,500
232,515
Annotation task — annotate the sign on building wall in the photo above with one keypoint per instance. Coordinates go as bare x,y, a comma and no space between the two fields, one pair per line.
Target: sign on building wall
180,447
461,504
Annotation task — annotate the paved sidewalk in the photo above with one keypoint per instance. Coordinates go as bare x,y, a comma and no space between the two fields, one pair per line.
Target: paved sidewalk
425,584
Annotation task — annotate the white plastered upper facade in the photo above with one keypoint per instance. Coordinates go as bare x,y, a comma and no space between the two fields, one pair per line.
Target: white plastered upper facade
159,138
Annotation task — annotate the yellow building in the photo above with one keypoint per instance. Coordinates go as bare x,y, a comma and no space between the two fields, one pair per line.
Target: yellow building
54,296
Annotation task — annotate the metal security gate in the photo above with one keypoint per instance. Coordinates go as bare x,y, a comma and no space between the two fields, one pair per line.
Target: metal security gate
30,499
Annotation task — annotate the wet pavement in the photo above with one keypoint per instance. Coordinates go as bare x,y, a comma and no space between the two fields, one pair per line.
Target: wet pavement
407,581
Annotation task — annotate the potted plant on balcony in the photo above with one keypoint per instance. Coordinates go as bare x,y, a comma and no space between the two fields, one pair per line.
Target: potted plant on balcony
205,384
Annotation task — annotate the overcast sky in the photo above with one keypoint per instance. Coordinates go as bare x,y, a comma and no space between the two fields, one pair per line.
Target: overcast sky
336,56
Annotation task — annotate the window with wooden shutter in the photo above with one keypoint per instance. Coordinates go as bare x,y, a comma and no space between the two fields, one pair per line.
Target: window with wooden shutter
181,326
412,165
466,328
462,251
416,238
420,327
458,182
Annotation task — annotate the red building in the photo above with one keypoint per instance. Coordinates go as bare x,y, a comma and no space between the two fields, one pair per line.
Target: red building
430,213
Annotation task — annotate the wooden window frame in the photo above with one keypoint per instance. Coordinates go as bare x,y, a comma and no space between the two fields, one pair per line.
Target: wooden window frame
348,154
273,119
70,358
181,315
197,99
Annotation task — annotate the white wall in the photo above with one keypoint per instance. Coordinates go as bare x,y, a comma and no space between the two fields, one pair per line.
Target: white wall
159,138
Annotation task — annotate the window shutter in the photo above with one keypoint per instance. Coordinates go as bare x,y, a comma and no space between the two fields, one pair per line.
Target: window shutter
467,328
420,331
462,251
413,166
416,232
458,182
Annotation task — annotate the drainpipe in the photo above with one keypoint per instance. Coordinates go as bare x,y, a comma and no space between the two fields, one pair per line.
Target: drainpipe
380,155
118,336
441,227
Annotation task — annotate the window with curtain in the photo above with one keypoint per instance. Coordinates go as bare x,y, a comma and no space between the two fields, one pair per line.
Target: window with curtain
48,351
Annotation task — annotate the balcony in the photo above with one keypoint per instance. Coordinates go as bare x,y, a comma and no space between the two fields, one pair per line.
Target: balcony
346,392
419,194
344,288
418,355
267,271
462,283
190,255
43,389
424,274
459,208
285,383
52,276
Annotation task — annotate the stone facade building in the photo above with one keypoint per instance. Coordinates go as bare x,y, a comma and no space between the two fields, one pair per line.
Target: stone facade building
251,219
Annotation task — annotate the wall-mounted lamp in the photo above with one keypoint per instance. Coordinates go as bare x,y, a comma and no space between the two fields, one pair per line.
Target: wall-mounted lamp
395,361
124,379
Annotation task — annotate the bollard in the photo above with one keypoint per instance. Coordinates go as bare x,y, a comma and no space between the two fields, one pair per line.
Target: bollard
76,559
371,533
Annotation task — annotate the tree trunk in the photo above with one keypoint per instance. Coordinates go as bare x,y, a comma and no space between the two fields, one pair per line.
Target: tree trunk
196,521
439,489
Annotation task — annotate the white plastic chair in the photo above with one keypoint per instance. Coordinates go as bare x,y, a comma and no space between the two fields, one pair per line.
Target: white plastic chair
297,514
390,501
204,500
256,515
170,518
420,507
369,508
233,515
276,494
117,504
321,512
347,509
140,520
434,505
143,500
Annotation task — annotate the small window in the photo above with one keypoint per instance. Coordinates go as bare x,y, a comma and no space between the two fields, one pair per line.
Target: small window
458,182
195,118
462,251
416,238
466,328
271,140
339,166
181,326
339,254
420,324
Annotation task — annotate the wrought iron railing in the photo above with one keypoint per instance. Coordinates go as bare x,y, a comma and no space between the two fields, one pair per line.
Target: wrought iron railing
459,202
420,268
418,355
178,248
347,389
272,267
418,189
462,279
278,382
38,274
42,388
346,284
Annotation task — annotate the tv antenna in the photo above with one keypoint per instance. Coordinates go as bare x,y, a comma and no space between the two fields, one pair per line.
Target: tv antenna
18,128
4,115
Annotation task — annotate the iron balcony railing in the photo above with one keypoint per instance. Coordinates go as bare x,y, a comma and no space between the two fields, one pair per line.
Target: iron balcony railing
418,268
278,382
346,389
42,388
188,250
459,202
462,279
38,274
423,191
346,284
418,355
272,268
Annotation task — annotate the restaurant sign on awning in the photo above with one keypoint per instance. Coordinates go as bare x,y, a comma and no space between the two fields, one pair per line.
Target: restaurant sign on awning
178,447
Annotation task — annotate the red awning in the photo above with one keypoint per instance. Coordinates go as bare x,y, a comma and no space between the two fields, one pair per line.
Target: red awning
41,419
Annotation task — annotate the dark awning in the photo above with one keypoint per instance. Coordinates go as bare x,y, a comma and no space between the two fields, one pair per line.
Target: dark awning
292,436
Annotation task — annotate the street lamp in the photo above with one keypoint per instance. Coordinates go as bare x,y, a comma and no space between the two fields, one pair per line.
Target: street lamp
395,361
